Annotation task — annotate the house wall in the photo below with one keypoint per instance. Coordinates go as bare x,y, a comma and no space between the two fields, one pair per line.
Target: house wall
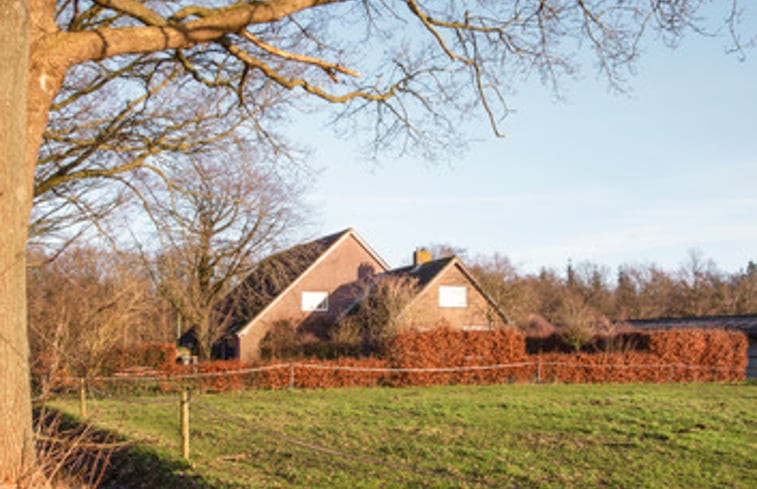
425,312
338,272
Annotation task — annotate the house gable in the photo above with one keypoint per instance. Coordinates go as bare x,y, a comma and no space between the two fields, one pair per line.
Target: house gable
448,295
317,295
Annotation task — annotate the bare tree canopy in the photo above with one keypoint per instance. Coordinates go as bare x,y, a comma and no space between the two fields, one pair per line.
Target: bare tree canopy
148,80
588,297
408,71
82,305
214,221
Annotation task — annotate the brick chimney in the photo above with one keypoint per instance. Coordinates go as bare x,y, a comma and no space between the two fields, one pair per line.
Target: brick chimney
421,255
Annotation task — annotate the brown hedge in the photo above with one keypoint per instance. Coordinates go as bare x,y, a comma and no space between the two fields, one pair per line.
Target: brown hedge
719,354
669,356
155,356
656,356
308,374
665,356
684,355
206,380
447,348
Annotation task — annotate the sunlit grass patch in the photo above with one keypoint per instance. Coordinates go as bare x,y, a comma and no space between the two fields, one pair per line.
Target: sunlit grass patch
688,436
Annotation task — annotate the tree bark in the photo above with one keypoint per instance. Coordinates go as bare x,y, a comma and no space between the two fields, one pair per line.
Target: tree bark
16,446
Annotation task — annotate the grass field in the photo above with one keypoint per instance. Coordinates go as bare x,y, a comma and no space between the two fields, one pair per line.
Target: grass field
555,436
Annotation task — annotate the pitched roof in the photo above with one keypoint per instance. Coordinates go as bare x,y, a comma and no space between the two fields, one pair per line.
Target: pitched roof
274,275
424,272
746,323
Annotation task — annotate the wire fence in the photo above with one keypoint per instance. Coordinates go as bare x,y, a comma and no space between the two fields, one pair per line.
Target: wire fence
314,375
294,366
198,375
294,375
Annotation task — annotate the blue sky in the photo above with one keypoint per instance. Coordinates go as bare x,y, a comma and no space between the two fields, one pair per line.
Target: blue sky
636,178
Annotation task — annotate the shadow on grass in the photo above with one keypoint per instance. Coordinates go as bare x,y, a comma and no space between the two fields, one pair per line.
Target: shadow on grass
121,465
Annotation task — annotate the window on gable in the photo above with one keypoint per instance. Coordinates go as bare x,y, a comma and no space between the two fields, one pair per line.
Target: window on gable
453,296
477,327
315,301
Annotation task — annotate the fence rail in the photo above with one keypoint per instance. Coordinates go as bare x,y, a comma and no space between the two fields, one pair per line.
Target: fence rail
347,368
298,376
197,375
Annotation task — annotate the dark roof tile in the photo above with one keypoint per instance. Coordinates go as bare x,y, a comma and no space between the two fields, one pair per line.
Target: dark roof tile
271,277
746,323
424,272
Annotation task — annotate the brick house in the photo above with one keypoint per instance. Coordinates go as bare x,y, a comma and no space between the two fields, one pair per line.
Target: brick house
311,286
445,294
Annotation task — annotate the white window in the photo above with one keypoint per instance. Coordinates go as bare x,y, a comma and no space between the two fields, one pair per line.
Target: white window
315,301
477,327
451,296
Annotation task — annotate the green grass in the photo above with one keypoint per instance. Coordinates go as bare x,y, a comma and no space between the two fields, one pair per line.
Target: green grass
667,436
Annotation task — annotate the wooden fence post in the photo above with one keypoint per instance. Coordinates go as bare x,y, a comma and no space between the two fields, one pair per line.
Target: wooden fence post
291,376
82,398
538,369
185,424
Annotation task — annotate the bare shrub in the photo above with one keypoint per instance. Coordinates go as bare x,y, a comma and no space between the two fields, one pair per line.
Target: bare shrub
69,455
378,315
280,341
82,305
536,325
285,341
578,323
346,337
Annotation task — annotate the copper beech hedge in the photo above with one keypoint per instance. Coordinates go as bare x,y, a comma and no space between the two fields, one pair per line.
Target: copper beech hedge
670,356
467,357
684,355
448,349
158,356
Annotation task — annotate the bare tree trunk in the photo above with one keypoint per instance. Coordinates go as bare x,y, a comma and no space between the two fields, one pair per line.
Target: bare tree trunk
16,448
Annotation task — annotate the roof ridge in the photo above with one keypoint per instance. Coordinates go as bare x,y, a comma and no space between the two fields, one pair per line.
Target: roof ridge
430,262
687,318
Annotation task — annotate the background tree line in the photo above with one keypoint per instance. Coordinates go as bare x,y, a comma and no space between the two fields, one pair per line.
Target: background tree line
591,297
